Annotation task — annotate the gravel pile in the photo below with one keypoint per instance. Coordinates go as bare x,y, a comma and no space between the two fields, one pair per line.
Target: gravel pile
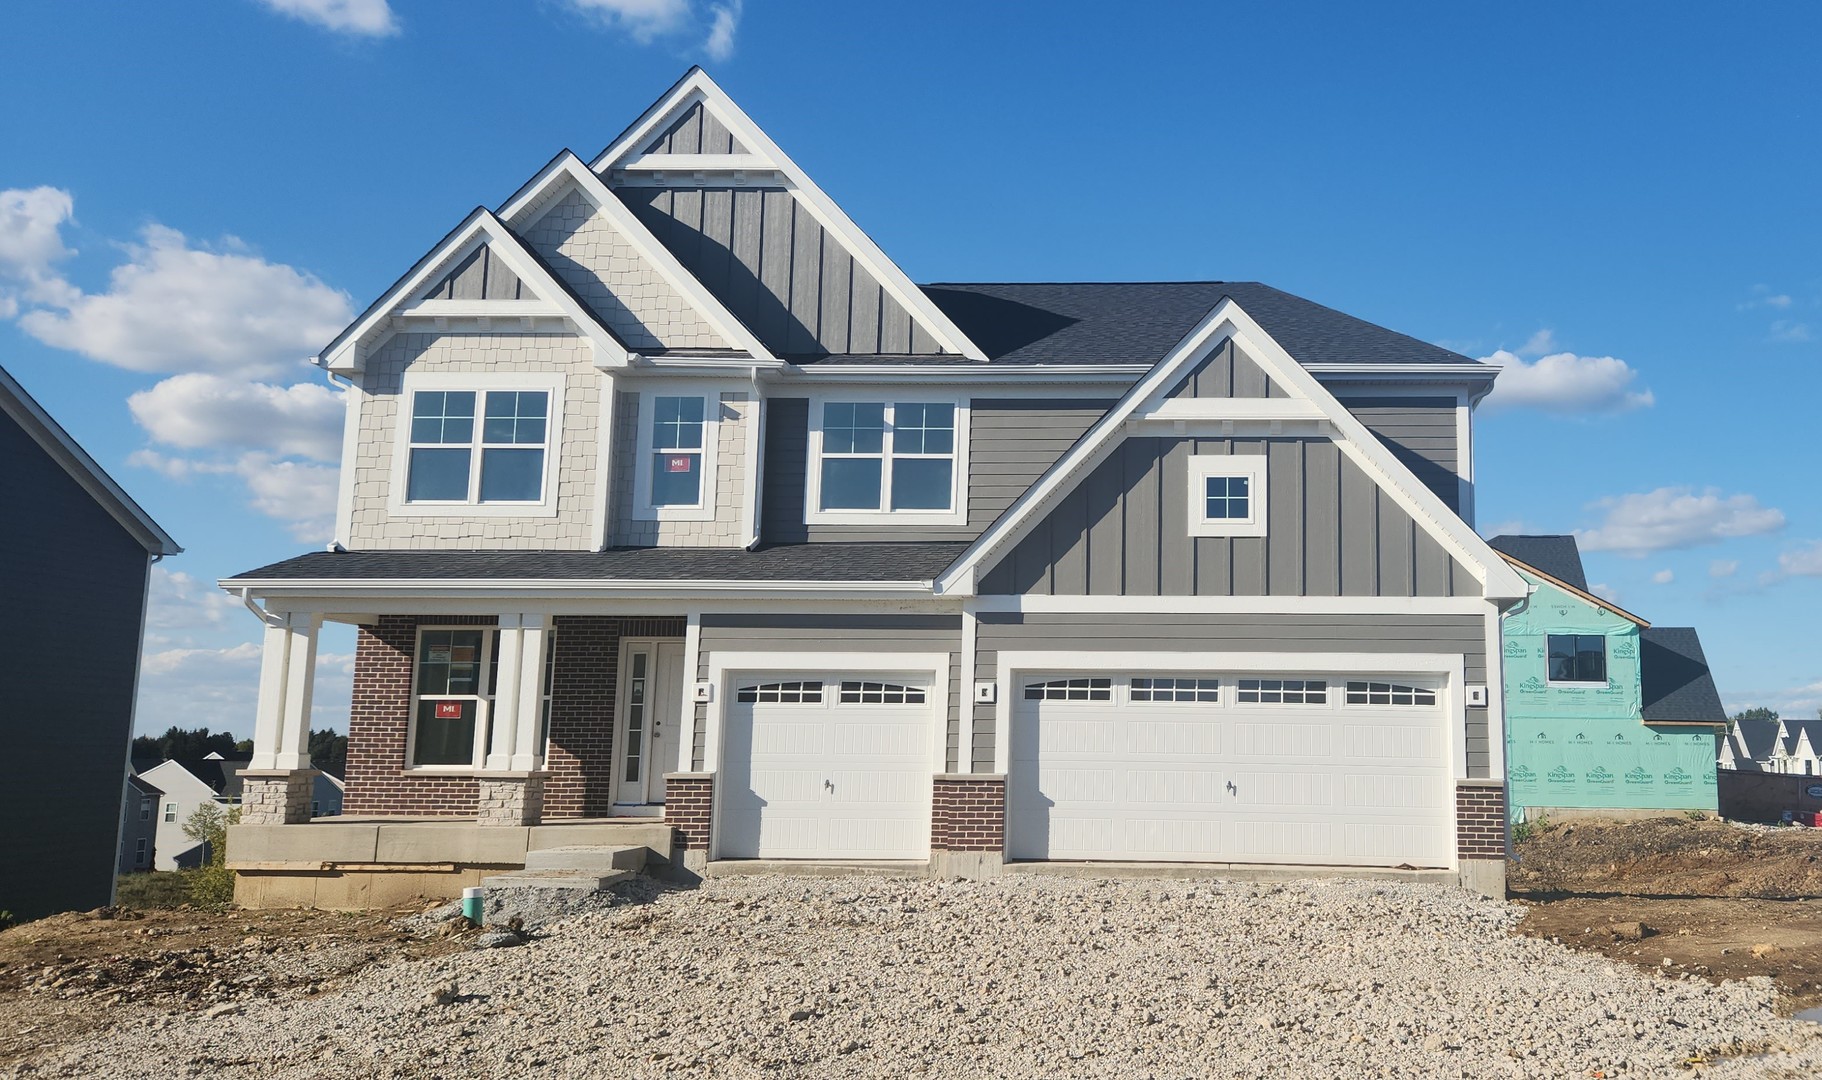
1020,977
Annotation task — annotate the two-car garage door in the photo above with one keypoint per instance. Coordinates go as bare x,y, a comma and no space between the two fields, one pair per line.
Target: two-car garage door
1198,767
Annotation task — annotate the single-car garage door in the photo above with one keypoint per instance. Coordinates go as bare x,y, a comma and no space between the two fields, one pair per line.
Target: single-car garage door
824,765
1172,767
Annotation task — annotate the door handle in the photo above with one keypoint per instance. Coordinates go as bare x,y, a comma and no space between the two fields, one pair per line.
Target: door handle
829,784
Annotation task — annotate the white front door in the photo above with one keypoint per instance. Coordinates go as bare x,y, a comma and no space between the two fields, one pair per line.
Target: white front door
649,714
827,765
1340,770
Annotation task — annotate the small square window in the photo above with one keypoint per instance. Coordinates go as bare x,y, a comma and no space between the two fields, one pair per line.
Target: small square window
1578,658
1227,495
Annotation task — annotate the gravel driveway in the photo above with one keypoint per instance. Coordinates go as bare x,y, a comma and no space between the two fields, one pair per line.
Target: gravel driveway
1020,977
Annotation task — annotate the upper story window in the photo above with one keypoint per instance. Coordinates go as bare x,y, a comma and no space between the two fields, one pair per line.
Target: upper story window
1578,658
1227,495
674,476
480,443
905,459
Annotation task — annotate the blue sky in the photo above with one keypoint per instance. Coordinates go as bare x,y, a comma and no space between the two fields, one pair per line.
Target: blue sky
1622,208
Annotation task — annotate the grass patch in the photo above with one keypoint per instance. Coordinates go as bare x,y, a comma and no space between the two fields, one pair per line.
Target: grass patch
158,889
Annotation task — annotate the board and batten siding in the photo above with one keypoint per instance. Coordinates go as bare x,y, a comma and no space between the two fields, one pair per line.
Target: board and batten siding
1227,373
1421,433
697,131
480,276
1331,531
814,635
1463,635
1010,444
774,266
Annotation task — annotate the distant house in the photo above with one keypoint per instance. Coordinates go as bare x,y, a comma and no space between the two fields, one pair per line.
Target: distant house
1774,746
1603,710
138,825
188,784
75,558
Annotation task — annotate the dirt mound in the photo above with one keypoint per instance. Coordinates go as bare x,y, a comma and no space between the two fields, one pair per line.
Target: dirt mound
1669,857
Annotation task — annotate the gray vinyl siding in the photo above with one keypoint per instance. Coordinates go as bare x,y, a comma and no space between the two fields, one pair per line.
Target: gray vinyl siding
1421,433
697,131
73,592
1194,632
1010,444
1124,531
1228,373
775,267
481,276
819,634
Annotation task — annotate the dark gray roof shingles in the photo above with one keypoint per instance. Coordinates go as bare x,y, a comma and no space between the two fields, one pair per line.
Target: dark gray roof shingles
1676,683
1555,555
784,562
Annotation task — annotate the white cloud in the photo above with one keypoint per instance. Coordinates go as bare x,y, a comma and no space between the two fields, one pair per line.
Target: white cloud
31,230
1676,517
1541,343
645,20
1803,562
1565,383
1723,568
299,494
1663,577
1795,702
198,410
174,307
1764,297
362,18
1511,527
724,20
1786,331
1606,592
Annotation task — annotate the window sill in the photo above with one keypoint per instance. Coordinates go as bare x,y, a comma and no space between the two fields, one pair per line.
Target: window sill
674,513
886,517
472,510
1576,685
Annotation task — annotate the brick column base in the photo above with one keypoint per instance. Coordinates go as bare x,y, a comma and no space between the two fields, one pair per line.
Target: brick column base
1480,835
968,825
510,800
276,798
689,807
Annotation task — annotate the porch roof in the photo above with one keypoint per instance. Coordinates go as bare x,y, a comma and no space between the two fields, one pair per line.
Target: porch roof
822,563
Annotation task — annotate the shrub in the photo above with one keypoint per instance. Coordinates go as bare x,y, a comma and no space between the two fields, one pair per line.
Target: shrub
213,884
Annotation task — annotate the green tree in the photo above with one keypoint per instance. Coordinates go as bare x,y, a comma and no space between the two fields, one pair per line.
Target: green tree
1759,713
184,744
329,752
213,884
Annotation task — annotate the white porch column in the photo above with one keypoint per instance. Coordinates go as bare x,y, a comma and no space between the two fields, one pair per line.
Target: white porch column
277,782
287,675
507,651
534,646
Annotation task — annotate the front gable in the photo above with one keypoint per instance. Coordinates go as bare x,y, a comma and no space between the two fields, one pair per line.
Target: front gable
1328,510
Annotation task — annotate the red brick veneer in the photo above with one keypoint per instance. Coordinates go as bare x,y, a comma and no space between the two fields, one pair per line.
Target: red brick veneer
1480,821
689,803
580,765
968,815
380,721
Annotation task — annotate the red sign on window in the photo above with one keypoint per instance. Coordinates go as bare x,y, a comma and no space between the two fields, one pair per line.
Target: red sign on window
678,463
449,710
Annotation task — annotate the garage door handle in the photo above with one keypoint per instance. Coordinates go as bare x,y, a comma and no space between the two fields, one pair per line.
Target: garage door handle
1231,789
829,784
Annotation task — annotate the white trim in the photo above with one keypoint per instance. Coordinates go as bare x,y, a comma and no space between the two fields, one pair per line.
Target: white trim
964,716
360,595
694,163
602,506
698,87
1238,605
1496,694
1028,373
484,703
481,383
348,352
692,664
649,768
704,507
1205,467
1451,697
480,309
640,239
957,514
1188,408
1227,321
752,485
354,401
1442,372
1464,458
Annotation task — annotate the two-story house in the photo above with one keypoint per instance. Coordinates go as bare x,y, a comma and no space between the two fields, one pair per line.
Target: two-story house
1604,711
668,497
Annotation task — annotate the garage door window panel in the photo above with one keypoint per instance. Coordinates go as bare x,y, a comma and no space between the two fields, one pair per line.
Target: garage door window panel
781,693
1178,690
880,693
1282,692
1389,693
1082,689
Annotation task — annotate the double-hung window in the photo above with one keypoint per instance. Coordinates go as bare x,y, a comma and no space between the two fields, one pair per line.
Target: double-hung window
468,446
453,698
898,458
1578,658
675,467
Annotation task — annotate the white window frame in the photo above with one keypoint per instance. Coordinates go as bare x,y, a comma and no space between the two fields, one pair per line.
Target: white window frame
484,697
550,382
142,847
704,509
170,812
145,808
1203,467
957,514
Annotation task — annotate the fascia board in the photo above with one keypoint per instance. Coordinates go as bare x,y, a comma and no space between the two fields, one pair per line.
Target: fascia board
568,167
340,354
75,461
522,262
1580,594
697,86
545,588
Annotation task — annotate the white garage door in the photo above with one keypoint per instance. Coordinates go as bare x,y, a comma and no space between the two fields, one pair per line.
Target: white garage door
1310,769
827,766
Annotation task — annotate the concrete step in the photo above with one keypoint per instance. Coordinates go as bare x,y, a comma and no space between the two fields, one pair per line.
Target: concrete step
585,881
599,859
